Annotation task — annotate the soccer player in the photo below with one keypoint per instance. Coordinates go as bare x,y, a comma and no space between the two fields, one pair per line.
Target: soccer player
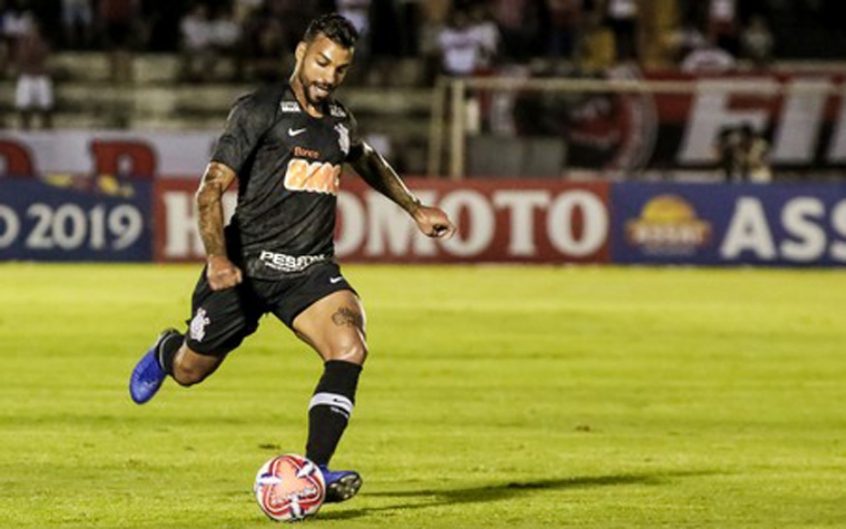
286,145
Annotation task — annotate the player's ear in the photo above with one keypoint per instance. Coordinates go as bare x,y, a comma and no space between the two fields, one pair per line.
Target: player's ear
300,52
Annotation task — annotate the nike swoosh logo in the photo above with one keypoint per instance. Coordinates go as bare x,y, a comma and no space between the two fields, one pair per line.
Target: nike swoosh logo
334,280
292,132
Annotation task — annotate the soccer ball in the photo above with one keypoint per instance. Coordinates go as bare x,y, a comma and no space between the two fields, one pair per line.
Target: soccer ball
289,488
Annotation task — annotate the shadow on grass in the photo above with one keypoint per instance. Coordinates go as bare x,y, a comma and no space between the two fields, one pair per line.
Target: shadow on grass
505,491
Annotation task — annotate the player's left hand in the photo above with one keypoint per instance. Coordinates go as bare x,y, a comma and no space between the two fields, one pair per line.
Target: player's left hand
434,222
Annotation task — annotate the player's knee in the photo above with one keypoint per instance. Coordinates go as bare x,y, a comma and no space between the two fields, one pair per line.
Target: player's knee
354,352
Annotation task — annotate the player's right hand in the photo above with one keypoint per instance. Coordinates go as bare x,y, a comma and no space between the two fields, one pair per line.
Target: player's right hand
434,222
222,273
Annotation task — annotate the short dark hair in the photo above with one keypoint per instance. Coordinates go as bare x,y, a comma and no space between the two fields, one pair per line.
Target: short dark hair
336,28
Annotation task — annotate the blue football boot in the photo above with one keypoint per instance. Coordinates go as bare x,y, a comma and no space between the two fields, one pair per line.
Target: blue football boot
148,375
341,485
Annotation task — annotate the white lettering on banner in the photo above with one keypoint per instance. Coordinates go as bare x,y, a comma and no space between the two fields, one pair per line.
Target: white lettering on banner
72,227
11,225
798,218
797,131
838,222
798,135
391,231
352,231
748,232
521,206
478,233
711,114
595,225
183,238
372,227
803,220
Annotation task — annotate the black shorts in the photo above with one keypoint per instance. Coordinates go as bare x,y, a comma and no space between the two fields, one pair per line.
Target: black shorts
222,319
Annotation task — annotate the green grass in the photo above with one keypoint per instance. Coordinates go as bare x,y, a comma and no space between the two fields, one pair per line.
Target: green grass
494,397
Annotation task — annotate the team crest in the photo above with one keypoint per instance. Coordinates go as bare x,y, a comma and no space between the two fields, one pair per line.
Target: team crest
343,138
336,111
198,325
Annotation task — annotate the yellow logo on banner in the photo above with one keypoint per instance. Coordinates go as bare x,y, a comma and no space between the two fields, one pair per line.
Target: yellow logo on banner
668,225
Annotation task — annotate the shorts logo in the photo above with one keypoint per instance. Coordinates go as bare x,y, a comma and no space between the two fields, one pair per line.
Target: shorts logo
313,177
343,138
198,325
289,263
334,280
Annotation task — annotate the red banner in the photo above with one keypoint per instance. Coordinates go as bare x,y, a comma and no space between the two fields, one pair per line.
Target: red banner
516,221
802,115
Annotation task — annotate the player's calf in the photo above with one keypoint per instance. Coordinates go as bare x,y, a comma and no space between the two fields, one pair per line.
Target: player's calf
188,367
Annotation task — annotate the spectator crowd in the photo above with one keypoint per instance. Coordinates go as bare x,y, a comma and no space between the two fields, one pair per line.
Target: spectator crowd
457,36
251,40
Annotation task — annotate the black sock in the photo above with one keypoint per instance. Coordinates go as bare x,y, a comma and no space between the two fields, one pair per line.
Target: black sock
167,351
330,409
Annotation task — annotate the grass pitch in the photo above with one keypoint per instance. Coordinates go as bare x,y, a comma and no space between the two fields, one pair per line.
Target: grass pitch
494,397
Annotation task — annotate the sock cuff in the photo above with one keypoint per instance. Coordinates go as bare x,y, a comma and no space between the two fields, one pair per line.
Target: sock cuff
167,350
337,403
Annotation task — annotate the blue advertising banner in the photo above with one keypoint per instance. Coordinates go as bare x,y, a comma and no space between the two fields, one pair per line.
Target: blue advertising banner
728,224
79,220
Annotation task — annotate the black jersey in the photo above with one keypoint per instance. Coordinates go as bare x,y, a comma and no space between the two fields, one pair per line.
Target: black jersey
289,166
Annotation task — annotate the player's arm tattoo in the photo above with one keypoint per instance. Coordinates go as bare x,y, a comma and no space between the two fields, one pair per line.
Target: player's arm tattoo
381,176
216,180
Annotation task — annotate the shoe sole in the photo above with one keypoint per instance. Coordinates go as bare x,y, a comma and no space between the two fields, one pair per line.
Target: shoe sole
343,489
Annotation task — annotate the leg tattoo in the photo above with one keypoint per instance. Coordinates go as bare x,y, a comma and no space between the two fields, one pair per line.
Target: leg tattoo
347,317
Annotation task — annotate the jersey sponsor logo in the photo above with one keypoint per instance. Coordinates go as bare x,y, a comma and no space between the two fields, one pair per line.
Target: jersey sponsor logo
289,106
198,325
295,132
343,138
306,153
313,177
336,111
289,263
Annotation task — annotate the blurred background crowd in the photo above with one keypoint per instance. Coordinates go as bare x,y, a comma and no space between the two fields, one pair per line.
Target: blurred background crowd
178,64
457,37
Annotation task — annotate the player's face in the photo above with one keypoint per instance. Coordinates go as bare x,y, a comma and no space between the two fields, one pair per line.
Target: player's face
322,66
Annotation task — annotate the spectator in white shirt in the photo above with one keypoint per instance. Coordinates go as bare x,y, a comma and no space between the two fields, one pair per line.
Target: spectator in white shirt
462,46
78,20
226,40
487,34
722,24
34,90
757,42
708,59
622,19
198,35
